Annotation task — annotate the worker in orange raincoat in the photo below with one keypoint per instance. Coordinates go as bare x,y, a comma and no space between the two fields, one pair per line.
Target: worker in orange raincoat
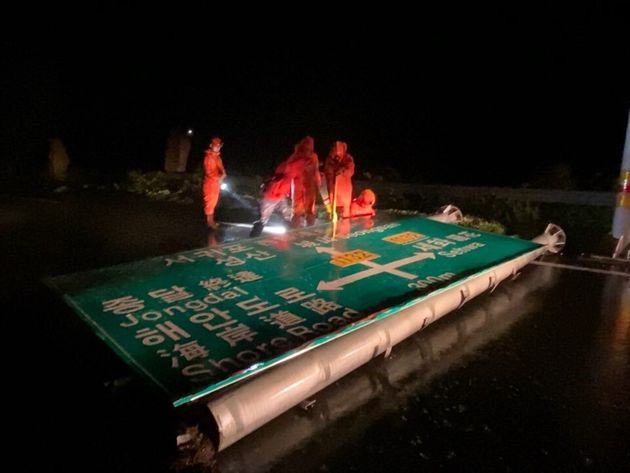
362,205
214,173
306,183
338,169
275,191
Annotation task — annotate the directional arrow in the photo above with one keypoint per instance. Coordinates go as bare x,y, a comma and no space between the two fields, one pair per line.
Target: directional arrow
409,260
337,284
369,264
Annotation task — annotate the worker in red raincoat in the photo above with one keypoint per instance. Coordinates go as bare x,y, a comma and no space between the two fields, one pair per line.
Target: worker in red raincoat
275,191
338,169
362,205
306,183
214,173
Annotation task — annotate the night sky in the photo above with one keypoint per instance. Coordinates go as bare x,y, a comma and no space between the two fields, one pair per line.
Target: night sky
460,97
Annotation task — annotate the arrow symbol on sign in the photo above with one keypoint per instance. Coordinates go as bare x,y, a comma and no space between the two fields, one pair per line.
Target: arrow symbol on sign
337,284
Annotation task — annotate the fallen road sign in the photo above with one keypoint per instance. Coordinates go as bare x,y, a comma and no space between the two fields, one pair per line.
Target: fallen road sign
197,321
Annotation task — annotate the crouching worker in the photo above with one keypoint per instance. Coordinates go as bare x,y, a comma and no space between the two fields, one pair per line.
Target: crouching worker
274,195
362,205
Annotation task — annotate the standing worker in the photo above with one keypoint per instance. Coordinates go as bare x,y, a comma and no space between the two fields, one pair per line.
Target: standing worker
338,169
306,183
214,173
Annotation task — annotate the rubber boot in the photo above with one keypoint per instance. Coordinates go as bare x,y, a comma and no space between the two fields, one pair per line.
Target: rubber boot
296,221
257,229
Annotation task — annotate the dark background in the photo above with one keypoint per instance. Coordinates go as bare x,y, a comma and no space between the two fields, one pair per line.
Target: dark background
462,96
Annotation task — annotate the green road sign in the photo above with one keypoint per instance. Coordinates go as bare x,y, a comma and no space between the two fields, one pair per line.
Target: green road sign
196,321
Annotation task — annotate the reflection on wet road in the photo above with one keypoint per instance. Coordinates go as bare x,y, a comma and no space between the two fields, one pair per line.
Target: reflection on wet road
532,377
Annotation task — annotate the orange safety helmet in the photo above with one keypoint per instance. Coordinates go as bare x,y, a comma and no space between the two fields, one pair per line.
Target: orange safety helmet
308,143
368,196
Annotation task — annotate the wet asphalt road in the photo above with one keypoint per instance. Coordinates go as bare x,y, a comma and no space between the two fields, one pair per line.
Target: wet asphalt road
534,377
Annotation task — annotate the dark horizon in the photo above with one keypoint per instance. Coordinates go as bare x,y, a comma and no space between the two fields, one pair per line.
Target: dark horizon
490,100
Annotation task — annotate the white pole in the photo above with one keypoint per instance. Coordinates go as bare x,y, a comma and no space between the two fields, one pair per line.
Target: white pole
621,220
248,406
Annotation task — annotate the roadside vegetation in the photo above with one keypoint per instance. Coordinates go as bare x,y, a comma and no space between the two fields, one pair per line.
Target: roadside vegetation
587,227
